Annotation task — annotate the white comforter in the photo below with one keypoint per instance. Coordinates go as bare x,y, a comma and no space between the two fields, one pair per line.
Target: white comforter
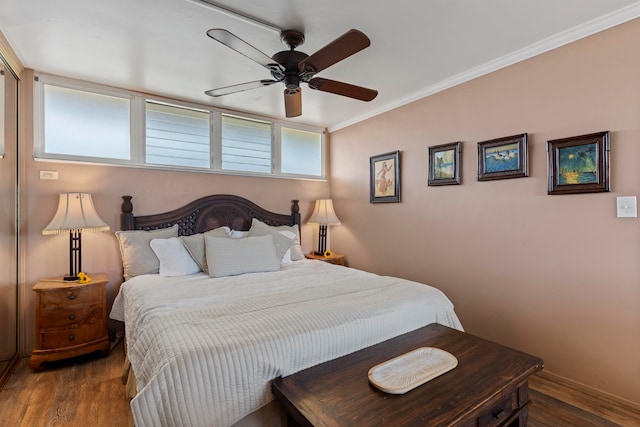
205,350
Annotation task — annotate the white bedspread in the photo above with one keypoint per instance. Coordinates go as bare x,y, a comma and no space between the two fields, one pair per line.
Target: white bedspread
205,350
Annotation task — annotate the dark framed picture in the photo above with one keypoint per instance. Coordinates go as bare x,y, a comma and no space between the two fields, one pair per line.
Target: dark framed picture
385,178
503,158
444,164
579,164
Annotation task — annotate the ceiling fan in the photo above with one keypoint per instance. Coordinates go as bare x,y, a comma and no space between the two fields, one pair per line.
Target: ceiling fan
292,67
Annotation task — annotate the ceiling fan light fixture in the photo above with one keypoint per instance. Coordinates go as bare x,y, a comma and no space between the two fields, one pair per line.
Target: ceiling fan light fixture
292,82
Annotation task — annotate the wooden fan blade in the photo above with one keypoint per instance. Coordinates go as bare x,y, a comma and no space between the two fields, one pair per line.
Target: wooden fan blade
239,87
344,89
351,42
242,47
293,102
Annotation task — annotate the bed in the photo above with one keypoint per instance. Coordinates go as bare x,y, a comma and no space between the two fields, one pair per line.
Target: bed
205,341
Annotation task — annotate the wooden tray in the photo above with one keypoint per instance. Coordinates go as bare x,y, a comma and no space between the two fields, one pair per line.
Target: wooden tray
408,371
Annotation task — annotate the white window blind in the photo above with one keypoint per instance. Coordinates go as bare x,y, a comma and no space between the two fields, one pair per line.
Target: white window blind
86,124
246,145
301,152
177,136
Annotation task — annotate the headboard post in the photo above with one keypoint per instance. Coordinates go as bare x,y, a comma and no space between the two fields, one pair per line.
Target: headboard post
295,212
126,217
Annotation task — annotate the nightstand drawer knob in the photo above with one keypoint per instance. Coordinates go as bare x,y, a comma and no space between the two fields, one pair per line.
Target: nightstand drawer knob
72,337
72,317
498,414
72,296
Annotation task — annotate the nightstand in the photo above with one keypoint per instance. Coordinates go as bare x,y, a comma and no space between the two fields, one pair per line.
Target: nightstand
337,259
71,319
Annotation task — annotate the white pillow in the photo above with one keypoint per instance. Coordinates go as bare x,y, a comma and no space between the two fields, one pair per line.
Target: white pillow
237,234
137,256
230,257
174,258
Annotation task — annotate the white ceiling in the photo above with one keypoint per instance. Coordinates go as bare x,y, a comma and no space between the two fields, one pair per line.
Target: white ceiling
417,46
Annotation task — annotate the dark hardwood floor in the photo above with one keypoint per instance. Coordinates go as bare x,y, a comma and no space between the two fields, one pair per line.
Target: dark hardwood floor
547,411
88,392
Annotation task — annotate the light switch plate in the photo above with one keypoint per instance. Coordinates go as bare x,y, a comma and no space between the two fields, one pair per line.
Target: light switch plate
53,175
627,207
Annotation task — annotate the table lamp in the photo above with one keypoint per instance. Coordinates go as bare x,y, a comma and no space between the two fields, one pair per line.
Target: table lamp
324,215
75,214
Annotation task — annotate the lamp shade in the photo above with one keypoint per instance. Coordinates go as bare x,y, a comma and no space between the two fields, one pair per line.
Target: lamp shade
75,213
323,213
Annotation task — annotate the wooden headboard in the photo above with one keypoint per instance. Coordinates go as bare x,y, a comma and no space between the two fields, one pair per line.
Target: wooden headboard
207,213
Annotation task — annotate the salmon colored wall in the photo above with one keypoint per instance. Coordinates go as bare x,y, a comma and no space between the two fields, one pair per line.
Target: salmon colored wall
153,191
556,276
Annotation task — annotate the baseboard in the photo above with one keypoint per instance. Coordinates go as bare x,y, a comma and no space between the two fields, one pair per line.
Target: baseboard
608,406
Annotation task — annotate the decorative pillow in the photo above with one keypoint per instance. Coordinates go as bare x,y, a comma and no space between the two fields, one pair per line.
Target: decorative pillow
282,243
286,259
174,258
195,245
137,256
296,247
230,257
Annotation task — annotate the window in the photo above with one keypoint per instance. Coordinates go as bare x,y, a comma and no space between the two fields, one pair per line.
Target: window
86,122
246,145
176,136
301,152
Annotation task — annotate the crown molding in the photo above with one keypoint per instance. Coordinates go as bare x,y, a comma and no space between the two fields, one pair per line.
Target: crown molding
594,26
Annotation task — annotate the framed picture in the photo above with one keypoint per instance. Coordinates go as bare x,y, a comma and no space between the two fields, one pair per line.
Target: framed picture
385,178
579,164
444,164
503,158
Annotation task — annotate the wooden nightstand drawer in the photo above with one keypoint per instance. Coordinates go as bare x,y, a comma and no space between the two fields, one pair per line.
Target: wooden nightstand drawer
70,296
65,317
72,336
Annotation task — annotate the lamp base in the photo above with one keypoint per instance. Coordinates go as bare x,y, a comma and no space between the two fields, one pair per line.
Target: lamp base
318,253
75,256
322,239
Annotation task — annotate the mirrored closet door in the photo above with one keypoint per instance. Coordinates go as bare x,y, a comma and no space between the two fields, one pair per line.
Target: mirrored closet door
8,219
